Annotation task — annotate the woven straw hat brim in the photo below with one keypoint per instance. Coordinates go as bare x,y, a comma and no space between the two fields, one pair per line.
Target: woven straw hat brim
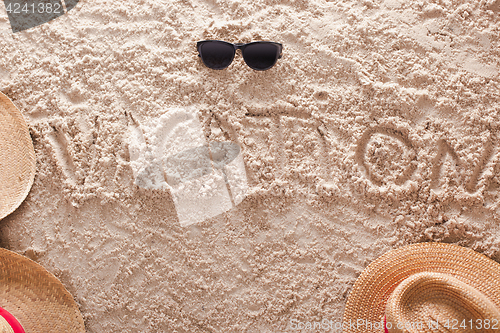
4,326
429,296
369,295
17,158
35,297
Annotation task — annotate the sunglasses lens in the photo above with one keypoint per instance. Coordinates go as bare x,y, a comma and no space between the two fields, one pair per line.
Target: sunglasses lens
261,56
216,55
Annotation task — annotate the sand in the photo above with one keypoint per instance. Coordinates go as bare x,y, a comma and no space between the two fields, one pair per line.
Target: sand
379,127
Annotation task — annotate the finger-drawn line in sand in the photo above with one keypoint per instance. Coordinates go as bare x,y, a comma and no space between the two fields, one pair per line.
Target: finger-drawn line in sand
279,112
486,156
325,146
147,172
258,134
220,123
277,127
59,142
315,127
306,152
223,154
444,149
392,133
279,149
205,179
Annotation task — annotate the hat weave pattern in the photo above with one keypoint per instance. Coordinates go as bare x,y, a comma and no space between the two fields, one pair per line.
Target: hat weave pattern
35,297
434,297
17,157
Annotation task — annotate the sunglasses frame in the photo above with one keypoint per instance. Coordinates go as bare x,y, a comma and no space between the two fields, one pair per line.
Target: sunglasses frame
239,46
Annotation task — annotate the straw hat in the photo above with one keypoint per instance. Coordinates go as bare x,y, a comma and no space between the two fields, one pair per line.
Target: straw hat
427,287
17,157
34,298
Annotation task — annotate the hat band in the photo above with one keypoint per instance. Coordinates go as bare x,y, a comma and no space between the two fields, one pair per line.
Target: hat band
12,321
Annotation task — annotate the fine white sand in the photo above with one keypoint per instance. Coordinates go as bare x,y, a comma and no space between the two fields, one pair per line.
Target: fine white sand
379,127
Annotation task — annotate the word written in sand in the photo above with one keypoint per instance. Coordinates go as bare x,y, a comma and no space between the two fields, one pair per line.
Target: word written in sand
289,149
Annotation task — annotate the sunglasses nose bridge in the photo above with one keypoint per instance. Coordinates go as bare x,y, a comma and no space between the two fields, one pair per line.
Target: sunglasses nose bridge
238,49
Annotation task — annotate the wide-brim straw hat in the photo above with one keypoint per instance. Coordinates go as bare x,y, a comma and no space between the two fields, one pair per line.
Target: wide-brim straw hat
422,287
17,157
35,298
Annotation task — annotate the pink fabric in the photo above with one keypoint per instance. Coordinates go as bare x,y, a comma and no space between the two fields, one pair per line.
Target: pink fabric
385,325
16,326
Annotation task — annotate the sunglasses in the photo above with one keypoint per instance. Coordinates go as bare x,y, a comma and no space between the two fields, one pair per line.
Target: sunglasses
217,54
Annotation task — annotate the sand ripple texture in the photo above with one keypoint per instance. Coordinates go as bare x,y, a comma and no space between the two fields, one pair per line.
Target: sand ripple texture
379,127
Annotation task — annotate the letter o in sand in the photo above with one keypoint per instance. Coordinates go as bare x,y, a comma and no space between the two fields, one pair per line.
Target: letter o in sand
386,155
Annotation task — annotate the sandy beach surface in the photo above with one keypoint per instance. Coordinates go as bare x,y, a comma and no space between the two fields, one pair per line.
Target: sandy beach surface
378,127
